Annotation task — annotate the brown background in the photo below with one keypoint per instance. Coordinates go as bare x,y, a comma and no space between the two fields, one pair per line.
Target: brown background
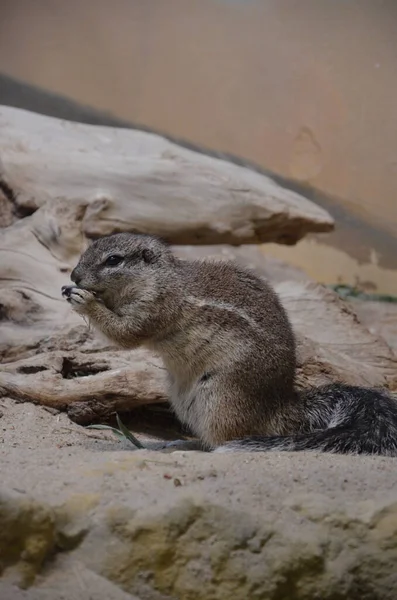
306,88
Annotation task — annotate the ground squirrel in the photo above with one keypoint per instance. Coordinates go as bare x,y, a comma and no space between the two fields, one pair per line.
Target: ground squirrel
229,350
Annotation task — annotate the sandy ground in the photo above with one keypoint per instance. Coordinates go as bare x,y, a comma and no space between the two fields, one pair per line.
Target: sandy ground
32,437
46,457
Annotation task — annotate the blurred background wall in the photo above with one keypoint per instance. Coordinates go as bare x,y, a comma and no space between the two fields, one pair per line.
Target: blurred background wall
306,89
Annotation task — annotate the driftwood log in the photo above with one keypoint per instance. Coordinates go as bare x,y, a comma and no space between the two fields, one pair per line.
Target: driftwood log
79,182
142,182
88,385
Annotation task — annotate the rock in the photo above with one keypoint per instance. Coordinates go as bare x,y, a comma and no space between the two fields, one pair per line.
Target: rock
332,342
134,180
380,318
36,257
269,526
27,538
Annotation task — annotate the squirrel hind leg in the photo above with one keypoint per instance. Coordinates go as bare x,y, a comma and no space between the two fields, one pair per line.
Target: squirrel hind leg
182,445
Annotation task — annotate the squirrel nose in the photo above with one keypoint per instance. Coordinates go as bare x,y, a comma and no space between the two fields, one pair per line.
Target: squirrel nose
75,277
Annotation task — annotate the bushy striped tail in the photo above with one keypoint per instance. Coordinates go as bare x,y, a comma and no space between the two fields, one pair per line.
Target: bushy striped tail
343,419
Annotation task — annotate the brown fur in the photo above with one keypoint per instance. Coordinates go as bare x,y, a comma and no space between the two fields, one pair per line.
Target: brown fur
221,331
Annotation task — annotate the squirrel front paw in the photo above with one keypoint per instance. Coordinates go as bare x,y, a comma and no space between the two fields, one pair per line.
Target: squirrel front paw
81,300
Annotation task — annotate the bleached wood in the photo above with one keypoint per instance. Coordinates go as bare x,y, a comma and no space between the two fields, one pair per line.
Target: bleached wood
134,180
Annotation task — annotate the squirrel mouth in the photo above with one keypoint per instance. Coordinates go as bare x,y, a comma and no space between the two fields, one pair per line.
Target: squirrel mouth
66,289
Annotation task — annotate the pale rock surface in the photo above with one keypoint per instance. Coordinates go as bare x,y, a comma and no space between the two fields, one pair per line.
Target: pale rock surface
380,318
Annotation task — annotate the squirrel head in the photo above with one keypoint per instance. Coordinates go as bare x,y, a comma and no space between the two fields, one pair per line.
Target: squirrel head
124,266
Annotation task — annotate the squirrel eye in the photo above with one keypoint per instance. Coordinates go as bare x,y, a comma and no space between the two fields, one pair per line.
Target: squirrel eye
113,260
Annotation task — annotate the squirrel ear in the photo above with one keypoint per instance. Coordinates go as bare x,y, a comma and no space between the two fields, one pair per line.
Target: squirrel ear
148,255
